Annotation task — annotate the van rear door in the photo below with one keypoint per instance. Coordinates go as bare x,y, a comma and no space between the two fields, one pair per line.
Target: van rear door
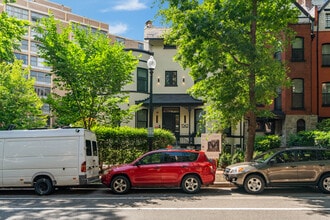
92,161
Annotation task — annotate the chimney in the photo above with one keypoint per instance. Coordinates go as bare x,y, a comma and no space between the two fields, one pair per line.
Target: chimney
306,3
148,24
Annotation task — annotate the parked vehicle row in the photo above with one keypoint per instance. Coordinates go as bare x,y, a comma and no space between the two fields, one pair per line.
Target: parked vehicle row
54,158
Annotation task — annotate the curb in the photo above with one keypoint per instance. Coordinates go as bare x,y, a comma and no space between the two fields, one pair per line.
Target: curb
221,184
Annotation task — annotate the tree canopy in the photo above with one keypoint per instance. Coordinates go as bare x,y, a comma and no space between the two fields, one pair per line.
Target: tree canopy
89,69
229,47
19,103
12,31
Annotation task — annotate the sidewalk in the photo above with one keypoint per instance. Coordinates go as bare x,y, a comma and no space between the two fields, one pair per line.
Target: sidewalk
220,180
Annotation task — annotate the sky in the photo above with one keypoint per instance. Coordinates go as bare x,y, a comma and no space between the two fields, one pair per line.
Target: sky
125,18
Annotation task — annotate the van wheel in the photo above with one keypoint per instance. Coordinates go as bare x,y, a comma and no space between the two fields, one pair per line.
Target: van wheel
324,184
191,184
120,185
43,186
254,184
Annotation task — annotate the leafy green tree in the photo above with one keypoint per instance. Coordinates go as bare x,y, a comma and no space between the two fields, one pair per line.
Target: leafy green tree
89,68
19,103
11,32
229,46
9,1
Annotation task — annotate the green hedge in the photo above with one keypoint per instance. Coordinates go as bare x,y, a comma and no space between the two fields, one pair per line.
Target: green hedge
124,144
261,144
310,138
266,142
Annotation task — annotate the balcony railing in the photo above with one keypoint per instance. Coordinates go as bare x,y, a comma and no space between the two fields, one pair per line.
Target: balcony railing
187,141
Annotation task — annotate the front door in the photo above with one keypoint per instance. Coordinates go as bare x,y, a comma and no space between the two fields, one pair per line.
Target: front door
147,172
171,120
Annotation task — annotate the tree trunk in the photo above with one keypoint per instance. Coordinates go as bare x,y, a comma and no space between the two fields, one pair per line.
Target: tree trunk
251,116
252,121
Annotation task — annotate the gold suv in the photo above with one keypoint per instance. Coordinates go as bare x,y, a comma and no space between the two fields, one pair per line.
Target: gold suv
295,166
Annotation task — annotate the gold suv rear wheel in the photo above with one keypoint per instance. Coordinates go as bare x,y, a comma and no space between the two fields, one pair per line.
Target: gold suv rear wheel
324,184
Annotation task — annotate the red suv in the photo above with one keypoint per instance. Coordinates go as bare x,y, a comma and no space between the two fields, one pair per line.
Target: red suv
179,168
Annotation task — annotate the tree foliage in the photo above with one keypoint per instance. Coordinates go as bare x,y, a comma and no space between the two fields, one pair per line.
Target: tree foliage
19,103
89,68
229,47
11,32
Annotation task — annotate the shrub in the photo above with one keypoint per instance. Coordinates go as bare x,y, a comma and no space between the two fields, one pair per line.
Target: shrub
322,138
267,142
124,144
324,125
237,157
224,159
303,138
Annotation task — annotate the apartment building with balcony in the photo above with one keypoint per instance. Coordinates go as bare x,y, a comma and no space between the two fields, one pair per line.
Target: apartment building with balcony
33,10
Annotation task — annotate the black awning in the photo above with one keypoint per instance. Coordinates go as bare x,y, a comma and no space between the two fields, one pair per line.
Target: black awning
172,99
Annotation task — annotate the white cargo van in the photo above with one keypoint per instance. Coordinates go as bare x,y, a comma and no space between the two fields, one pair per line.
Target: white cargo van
45,159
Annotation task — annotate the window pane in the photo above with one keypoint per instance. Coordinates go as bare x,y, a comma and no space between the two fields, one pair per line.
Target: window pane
17,12
24,45
140,46
297,101
298,49
278,100
88,148
142,80
171,78
94,144
38,62
42,91
307,155
297,93
36,16
23,57
298,86
141,118
34,47
301,125
327,20
326,55
151,158
41,78
325,94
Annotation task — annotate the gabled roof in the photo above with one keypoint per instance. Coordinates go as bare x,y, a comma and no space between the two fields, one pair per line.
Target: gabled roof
304,11
172,99
324,5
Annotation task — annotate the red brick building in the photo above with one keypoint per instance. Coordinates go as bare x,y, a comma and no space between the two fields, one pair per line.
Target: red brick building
308,57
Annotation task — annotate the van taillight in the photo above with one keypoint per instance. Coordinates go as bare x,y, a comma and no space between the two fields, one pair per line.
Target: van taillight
83,167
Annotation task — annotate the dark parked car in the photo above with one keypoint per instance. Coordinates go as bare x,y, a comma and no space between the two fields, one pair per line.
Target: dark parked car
296,166
179,168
